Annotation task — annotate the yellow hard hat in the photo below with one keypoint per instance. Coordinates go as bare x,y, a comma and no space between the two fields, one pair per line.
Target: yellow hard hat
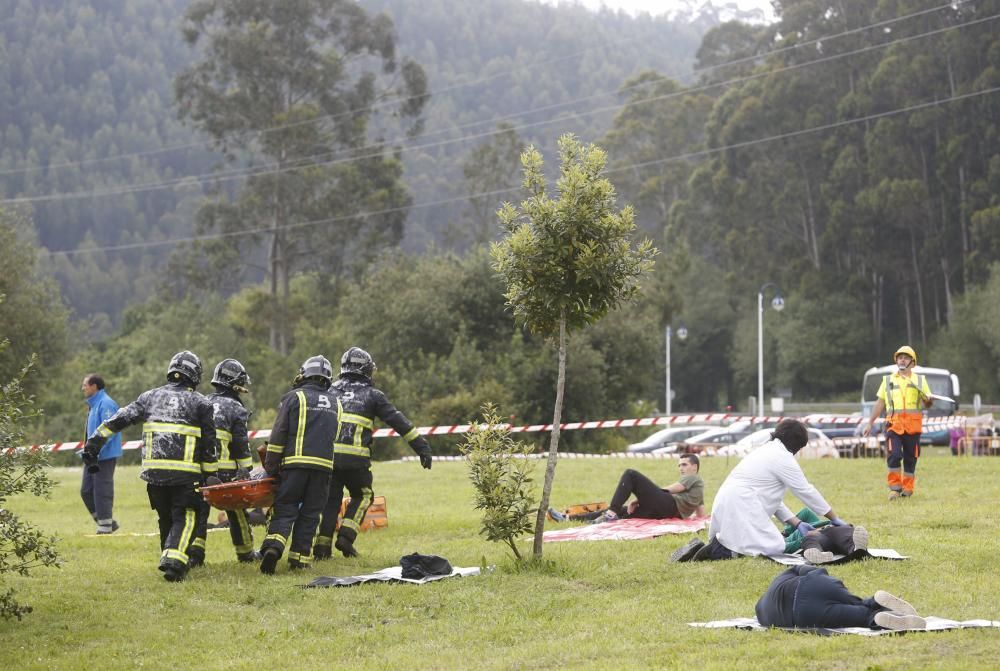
907,350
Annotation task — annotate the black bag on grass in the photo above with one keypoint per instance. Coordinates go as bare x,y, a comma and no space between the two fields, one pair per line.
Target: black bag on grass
417,566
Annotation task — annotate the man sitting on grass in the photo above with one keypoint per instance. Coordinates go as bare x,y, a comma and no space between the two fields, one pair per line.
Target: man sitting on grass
683,498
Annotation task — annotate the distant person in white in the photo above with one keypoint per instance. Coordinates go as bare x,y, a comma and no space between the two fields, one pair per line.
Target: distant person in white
755,490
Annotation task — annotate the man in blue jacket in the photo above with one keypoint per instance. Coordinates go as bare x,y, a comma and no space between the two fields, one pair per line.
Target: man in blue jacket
98,488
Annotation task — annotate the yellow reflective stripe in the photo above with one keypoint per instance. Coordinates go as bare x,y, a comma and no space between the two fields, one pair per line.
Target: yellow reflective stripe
350,524
189,445
366,501
104,431
222,434
315,461
321,541
188,531
245,463
171,553
210,468
198,543
276,449
411,435
171,465
276,537
147,453
351,418
342,448
165,427
301,429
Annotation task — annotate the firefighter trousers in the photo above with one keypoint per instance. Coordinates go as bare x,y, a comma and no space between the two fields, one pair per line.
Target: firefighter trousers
298,505
359,487
177,508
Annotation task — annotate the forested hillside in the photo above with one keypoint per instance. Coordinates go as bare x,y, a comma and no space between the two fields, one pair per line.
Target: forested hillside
846,157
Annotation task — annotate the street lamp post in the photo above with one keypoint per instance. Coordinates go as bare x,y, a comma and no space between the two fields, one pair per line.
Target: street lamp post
682,333
778,303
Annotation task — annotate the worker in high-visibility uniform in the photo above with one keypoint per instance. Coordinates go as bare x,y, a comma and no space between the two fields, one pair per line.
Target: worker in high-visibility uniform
903,396
179,454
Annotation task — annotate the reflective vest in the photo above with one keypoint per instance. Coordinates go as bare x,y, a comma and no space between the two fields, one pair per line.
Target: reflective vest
903,399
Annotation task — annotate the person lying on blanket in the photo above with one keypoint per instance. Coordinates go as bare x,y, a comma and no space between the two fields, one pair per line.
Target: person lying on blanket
752,493
807,597
684,498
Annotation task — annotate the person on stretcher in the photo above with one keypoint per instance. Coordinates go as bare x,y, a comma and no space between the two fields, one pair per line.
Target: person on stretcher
684,498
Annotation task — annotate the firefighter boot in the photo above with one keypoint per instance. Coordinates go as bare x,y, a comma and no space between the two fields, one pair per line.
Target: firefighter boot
345,543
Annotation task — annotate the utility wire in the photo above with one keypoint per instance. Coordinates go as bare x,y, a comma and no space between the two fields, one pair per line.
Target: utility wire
445,201
618,91
216,177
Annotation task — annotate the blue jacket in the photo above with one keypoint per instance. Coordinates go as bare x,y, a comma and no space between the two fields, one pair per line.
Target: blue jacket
103,407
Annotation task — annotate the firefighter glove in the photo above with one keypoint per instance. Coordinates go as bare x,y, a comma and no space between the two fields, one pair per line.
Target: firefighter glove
426,459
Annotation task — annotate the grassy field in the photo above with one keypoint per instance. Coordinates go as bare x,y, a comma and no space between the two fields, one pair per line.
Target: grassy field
594,605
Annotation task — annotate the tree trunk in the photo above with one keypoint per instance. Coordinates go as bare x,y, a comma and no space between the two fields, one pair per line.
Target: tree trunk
550,466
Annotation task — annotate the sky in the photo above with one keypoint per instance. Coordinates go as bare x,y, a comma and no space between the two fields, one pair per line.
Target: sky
660,6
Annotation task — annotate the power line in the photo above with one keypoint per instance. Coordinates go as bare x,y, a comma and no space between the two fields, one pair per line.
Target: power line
216,177
204,145
678,157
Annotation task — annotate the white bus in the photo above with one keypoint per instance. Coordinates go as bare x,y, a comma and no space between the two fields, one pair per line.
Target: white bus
942,383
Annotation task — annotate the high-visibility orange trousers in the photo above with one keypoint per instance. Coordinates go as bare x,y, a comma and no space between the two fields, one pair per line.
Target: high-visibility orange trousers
903,452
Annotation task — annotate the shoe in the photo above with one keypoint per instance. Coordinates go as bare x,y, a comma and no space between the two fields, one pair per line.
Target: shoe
687,551
606,516
893,603
173,570
248,557
713,550
345,546
557,516
893,495
817,556
321,552
905,494
296,565
194,561
269,560
860,538
898,622
104,530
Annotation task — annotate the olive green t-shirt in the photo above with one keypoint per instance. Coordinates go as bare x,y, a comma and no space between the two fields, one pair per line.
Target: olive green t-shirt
692,496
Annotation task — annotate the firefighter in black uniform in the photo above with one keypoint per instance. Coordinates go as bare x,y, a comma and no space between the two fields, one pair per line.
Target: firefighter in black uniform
230,379
358,404
179,455
300,454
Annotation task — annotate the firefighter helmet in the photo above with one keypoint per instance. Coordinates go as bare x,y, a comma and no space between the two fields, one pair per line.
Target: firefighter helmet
230,373
359,362
187,364
317,366
908,351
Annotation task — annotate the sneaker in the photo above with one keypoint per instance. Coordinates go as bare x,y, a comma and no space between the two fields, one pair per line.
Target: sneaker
898,622
713,550
860,538
893,603
345,546
893,495
687,551
269,560
557,516
606,516
106,529
905,494
817,556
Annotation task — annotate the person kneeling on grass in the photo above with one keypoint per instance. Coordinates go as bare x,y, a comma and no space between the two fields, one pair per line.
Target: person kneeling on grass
684,498
752,493
806,597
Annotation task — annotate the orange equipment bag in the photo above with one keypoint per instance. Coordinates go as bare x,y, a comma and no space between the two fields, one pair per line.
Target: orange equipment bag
376,517
241,494
582,508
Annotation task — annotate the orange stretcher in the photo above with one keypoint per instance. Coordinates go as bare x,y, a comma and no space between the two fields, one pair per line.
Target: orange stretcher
241,494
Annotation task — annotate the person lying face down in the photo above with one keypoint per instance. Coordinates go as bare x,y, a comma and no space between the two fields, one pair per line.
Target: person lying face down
754,492
807,597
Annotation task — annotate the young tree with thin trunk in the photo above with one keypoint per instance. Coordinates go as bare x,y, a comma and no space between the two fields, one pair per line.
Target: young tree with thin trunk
567,262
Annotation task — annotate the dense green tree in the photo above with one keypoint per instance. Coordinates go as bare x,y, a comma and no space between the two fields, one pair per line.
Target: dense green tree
297,85
567,262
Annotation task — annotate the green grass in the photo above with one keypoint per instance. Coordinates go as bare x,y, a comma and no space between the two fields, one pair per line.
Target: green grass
595,605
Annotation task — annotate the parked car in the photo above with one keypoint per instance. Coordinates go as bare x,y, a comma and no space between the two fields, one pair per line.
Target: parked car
665,439
833,429
819,445
718,436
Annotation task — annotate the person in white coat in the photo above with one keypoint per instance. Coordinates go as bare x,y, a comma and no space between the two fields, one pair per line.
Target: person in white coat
754,492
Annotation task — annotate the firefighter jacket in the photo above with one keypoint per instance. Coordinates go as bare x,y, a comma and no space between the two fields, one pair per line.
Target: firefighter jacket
903,399
303,431
231,418
358,404
178,432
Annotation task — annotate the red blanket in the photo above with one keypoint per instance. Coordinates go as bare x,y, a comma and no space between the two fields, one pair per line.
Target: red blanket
627,530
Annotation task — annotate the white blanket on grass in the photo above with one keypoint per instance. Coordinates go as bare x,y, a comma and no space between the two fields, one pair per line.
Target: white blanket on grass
933,624
391,574
798,559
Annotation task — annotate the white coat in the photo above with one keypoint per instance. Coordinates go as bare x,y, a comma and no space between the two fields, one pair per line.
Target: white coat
752,493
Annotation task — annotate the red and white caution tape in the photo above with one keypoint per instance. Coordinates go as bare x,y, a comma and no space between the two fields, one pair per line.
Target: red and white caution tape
673,420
